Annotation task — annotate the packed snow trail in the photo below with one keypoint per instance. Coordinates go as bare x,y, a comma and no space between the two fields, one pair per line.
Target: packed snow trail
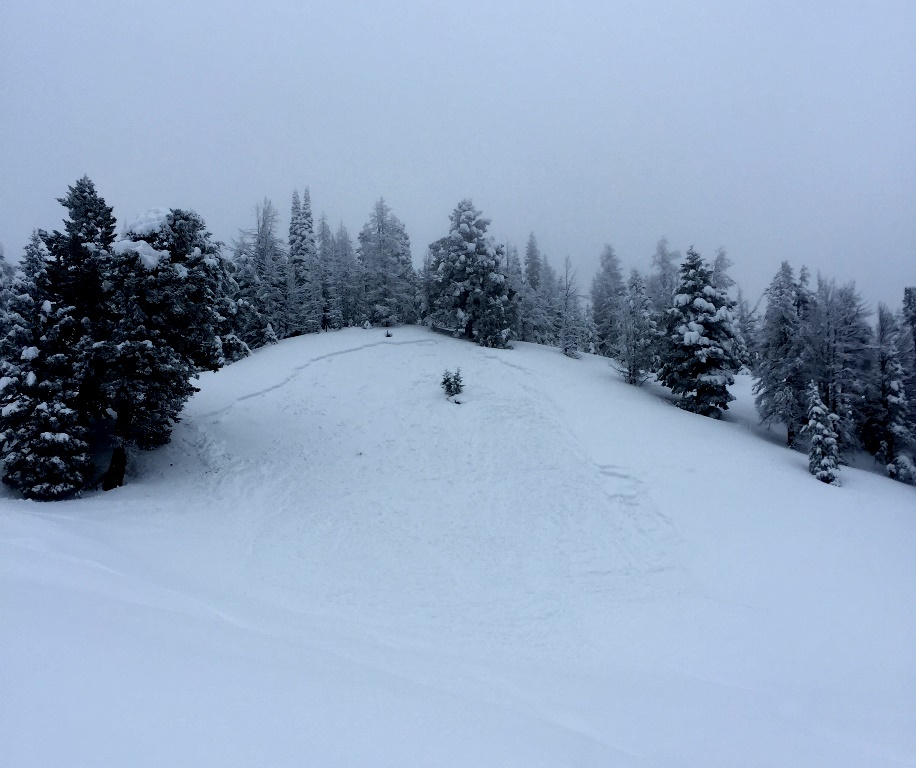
331,564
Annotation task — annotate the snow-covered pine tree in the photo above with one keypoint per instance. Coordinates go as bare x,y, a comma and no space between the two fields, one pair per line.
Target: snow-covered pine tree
663,280
330,280
637,343
533,262
780,391
549,309
251,326
74,275
886,431
165,321
720,266
471,292
196,256
296,270
824,449
608,293
53,388
388,273
906,352
45,437
20,394
262,249
571,317
314,299
517,287
536,301
349,277
231,346
700,360
905,465
838,342
909,312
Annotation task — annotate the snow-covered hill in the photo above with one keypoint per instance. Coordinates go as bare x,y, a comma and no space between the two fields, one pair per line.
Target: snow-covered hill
332,565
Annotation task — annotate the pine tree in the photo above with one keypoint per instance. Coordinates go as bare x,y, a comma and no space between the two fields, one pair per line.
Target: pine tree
886,432
45,436
296,270
537,312
251,326
50,351
261,250
350,280
231,345
516,289
549,301
471,292
571,327
909,313
906,354
165,321
700,359
388,274
720,266
838,342
780,390
314,300
76,287
331,288
533,262
607,297
637,343
824,450
305,304
663,279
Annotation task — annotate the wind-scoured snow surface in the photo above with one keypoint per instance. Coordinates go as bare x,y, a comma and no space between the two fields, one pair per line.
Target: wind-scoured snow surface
333,565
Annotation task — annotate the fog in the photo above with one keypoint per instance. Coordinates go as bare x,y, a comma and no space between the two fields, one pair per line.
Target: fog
784,130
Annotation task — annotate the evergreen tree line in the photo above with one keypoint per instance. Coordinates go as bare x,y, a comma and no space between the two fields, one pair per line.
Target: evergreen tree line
102,337
317,279
834,379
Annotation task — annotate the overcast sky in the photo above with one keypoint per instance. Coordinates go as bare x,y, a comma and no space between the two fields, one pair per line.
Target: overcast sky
778,130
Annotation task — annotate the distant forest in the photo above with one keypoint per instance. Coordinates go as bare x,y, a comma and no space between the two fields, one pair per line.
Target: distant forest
103,334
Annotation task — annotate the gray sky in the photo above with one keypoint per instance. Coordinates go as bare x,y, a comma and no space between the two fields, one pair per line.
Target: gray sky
779,130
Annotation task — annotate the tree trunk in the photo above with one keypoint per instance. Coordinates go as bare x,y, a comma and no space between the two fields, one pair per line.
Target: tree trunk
114,477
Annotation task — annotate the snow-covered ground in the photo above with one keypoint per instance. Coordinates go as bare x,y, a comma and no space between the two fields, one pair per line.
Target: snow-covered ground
332,565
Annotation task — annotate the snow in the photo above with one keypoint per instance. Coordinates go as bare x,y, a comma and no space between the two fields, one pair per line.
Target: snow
331,564
150,257
148,222
702,305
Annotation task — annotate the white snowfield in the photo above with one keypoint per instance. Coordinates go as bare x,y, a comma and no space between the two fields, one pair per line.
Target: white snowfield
333,565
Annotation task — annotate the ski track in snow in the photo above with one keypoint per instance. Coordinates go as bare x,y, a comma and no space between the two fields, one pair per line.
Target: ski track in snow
297,370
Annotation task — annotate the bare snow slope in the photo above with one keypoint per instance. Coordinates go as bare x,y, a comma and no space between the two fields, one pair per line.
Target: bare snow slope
332,565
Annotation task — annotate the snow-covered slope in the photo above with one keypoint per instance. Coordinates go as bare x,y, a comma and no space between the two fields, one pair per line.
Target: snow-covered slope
332,565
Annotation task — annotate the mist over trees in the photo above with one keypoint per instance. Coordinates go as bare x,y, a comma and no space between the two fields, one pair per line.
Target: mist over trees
102,334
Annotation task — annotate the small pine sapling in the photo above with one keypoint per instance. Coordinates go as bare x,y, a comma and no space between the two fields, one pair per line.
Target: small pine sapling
452,384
